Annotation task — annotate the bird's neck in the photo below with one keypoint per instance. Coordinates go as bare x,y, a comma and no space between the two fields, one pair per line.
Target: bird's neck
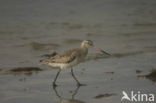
84,50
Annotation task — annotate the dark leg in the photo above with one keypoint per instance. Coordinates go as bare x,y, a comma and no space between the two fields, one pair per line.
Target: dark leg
78,83
54,85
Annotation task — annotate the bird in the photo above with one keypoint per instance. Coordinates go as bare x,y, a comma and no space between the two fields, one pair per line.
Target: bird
70,58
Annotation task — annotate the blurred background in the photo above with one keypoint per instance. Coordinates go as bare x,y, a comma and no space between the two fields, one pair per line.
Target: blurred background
31,28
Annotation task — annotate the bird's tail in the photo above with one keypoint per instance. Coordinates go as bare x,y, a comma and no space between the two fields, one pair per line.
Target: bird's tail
44,61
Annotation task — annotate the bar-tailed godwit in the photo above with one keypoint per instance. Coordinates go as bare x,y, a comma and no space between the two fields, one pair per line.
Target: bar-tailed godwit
70,58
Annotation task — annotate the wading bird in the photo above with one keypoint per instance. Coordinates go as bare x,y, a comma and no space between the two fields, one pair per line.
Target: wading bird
70,58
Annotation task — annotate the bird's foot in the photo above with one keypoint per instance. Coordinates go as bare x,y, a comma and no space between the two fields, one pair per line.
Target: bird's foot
54,85
79,84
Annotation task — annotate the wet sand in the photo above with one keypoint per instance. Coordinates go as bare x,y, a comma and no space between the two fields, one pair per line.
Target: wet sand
29,30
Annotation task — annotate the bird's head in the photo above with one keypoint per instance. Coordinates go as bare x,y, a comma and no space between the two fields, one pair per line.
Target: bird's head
86,43
89,43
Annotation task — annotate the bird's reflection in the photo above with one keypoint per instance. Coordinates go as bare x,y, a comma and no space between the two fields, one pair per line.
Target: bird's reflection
65,100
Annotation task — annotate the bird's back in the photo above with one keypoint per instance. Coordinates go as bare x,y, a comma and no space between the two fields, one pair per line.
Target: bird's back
66,56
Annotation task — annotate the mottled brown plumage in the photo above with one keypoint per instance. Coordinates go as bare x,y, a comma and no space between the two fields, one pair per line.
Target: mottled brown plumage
64,57
68,58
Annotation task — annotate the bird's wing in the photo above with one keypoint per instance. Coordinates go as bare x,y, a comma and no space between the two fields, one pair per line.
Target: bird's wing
65,57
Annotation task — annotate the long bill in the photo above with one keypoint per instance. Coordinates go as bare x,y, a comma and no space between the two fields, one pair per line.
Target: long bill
98,49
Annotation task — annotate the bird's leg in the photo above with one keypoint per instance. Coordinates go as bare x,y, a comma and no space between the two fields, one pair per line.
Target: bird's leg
78,83
54,84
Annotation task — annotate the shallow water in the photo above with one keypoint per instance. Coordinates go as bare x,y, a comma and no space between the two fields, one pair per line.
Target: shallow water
30,29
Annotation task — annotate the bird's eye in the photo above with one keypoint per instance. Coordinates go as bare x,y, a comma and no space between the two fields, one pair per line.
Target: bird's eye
90,43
